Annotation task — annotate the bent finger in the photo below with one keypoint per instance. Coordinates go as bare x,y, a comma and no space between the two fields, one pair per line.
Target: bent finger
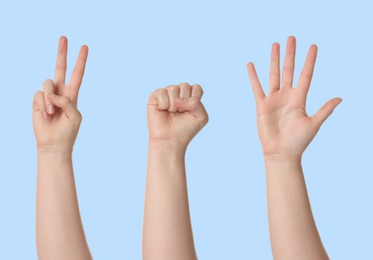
173,93
185,90
159,99
67,107
197,91
38,104
48,87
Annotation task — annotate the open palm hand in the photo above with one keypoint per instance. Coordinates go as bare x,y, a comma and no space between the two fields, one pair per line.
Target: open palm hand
284,127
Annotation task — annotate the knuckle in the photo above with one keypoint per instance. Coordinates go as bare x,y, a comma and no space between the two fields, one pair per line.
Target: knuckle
79,117
38,97
205,119
275,74
65,100
38,94
184,84
173,88
160,92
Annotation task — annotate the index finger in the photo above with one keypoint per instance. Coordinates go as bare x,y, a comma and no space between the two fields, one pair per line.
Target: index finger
307,71
255,83
60,73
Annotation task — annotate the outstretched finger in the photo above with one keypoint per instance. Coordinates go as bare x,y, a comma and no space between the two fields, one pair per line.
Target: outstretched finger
274,71
67,107
78,73
60,73
325,111
38,104
307,71
255,83
288,69
48,87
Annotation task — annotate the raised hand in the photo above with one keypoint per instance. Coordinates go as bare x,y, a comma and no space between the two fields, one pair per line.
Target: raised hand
56,119
284,127
176,114
285,131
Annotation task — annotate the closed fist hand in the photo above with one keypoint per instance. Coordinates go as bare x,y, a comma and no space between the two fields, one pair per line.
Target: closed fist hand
176,114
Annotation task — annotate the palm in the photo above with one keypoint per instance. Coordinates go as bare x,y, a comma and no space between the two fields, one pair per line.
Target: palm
283,124
282,114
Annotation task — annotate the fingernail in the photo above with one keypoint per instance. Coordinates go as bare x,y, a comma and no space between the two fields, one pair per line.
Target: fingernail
50,109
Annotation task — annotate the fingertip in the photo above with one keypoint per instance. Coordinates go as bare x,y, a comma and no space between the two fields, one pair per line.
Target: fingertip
84,48
291,38
250,66
50,109
314,47
338,101
48,82
275,45
63,42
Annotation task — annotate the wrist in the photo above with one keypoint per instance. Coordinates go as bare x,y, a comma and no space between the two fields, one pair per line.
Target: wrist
167,148
54,150
282,158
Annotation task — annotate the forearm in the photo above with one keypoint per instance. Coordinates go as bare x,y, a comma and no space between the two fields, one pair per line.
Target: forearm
167,230
59,230
292,228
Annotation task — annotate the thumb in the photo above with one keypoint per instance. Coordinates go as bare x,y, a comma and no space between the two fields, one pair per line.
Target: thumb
325,111
194,106
67,107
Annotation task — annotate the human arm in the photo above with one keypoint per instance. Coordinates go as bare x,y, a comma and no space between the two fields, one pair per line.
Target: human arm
285,131
56,122
175,116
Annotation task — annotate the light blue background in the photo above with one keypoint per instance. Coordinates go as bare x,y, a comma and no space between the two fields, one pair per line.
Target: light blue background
138,46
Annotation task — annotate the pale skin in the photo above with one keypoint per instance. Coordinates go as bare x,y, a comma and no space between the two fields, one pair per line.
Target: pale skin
285,131
56,122
175,116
